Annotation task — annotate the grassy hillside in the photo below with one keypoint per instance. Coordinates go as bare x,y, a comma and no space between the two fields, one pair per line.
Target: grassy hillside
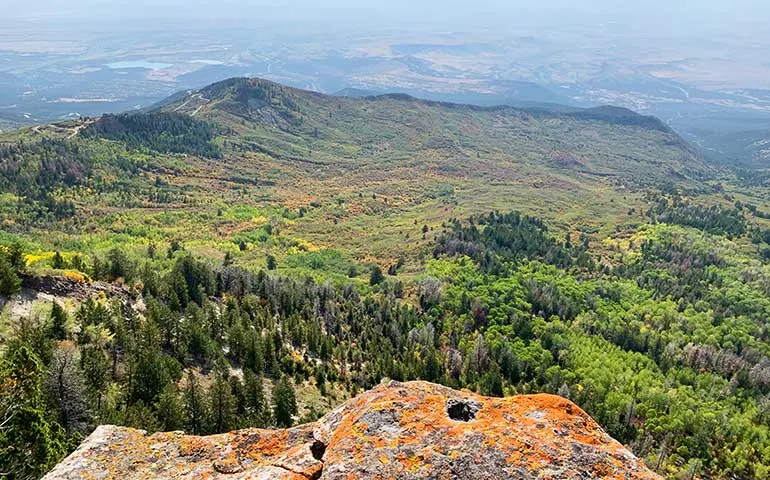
250,254
359,176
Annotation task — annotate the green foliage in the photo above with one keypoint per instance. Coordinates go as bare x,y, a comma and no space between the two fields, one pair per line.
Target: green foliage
376,277
34,169
648,347
58,322
506,237
196,406
30,442
658,331
223,405
713,219
255,403
10,282
164,132
284,403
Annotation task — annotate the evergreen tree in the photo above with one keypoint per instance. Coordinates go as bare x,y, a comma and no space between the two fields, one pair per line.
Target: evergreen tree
478,360
236,387
228,260
58,322
96,371
196,406
119,265
376,277
149,368
284,403
58,261
141,416
492,382
170,409
222,405
254,399
254,354
320,380
30,444
10,282
66,388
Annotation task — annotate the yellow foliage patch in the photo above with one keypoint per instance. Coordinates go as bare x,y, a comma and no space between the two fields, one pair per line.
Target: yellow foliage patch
35,258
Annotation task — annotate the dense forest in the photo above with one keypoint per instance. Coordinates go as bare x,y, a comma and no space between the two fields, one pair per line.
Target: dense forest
163,132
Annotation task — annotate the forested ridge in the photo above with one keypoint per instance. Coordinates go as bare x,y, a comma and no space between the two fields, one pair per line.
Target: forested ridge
194,300
164,132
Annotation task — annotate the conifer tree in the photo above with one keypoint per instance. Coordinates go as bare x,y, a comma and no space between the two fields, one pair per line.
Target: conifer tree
222,405
254,398
284,403
58,322
196,406
30,444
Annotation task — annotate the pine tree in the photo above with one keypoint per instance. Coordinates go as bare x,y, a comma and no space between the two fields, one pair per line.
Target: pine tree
254,354
58,322
492,382
58,261
150,374
65,387
196,406
10,282
236,387
29,443
376,277
254,399
478,360
284,403
320,380
222,405
170,409
96,371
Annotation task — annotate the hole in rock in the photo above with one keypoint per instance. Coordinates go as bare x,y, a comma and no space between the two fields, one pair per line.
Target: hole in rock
462,410
318,449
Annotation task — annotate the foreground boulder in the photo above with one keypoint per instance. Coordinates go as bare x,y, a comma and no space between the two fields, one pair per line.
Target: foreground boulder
395,431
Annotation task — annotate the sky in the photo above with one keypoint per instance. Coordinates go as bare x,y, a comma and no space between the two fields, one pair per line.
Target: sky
696,17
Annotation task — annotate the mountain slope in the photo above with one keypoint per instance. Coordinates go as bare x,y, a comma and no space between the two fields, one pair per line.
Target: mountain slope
339,130
514,93
346,165
424,159
750,149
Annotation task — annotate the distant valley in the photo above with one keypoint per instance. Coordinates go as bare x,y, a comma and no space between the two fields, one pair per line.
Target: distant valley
47,81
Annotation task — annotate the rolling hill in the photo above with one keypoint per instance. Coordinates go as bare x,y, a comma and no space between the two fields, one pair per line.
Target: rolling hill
366,170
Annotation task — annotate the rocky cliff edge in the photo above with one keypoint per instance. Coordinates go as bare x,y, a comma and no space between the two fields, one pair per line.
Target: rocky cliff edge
394,431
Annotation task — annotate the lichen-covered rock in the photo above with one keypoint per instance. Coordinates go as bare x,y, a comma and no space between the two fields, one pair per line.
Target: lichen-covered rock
395,431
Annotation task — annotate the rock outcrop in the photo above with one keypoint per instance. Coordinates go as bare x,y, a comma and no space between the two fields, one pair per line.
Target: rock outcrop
394,431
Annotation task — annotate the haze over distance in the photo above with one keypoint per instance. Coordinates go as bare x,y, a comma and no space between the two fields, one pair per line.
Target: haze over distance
699,65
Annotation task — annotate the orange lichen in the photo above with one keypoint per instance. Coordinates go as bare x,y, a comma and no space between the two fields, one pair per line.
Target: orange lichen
194,447
395,431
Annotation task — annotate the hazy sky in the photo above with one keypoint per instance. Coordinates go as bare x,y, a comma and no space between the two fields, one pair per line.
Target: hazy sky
677,16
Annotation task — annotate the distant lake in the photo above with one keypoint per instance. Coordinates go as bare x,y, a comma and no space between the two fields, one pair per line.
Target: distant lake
209,62
138,64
